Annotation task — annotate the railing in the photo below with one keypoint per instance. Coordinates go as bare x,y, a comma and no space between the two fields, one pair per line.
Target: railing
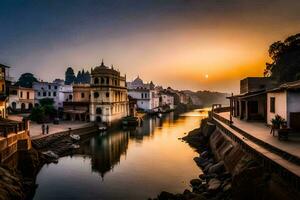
8,127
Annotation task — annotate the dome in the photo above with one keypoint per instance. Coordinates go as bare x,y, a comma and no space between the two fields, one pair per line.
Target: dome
137,81
103,69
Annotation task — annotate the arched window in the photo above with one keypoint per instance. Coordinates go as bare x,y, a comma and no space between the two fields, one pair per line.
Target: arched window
96,80
98,119
23,106
102,80
30,106
14,105
96,94
98,111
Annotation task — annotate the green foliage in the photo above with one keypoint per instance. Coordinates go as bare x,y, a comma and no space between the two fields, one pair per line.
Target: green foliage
47,102
285,65
44,112
277,121
37,114
26,80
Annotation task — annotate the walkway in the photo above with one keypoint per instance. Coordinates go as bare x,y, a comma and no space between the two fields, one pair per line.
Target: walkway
36,129
262,132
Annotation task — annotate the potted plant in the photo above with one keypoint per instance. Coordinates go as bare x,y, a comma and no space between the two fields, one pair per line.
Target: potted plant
277,122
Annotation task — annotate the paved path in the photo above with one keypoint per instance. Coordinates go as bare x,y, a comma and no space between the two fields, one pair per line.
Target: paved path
36,129
289,166
262,132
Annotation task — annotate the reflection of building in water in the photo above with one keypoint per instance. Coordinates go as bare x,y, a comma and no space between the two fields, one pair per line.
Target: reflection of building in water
148,127
106,151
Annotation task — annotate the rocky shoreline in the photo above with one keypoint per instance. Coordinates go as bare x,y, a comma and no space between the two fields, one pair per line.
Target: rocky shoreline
228,171
215,182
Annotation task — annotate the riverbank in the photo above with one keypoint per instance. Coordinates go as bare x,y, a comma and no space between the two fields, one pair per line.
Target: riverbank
17,176
228,171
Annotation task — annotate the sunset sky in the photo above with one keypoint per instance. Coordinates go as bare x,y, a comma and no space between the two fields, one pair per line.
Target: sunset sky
185,44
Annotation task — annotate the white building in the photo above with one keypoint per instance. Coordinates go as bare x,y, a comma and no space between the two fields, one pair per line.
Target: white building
144,93
285,102
20,99
108,95
55,90
65,92
166,100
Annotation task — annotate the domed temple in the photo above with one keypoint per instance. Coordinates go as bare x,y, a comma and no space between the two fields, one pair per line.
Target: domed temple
109,100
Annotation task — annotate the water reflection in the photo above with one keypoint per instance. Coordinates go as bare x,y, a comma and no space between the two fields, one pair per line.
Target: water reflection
105,151
136,163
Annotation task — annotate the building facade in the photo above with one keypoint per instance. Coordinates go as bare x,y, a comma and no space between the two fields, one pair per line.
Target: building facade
3,94
144,93
56,90
108,95
21,99
285,102
166,100
78,108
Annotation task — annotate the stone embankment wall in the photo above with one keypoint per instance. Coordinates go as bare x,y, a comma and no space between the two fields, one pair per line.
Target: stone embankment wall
45,141
12,143
250,179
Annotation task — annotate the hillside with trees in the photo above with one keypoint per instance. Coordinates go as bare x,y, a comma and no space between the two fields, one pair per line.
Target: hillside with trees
285,65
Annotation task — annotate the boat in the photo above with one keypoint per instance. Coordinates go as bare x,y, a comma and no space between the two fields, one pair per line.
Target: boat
75,137
50,154
130,121
102,128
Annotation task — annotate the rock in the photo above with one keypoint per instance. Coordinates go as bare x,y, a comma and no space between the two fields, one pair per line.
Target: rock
186,191
194,196
196,182
207,167
217,168
204,154
225,176
214,184
227,187
200,161
166,196
210,176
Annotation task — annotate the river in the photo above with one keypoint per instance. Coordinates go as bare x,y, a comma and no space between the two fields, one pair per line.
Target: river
126,164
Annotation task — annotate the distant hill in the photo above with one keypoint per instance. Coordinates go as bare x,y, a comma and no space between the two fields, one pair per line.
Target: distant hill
207,98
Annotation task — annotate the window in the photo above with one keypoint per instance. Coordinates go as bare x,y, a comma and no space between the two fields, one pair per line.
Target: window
82,95
102,80
98,111
21,94
49,86
27,95
49,94
107,94
272,104
142,95
44,94
70,97
55,87
54,94
39,93
107,81
96,81
96,94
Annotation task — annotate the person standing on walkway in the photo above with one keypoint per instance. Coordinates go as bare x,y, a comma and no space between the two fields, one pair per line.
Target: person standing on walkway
43,129
47,129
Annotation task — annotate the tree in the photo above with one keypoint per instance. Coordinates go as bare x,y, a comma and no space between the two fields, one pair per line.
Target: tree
44,112
26,80
69,76
285,65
